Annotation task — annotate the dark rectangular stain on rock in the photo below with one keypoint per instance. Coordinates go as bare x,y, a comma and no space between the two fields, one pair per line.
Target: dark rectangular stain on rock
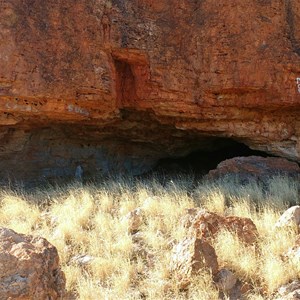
125,84
132,77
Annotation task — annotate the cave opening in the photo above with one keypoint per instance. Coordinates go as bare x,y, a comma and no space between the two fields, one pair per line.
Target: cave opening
54,153
200,162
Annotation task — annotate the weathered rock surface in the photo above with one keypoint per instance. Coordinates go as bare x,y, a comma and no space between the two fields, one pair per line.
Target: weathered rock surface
82,260
293,253
255,168
29,268
205,224
289,291
116,85
291,217
189,257
225,280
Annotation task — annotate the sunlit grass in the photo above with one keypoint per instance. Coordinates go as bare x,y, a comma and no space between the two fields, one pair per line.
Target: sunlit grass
91,220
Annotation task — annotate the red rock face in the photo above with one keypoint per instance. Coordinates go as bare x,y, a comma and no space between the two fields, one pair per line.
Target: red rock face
87,82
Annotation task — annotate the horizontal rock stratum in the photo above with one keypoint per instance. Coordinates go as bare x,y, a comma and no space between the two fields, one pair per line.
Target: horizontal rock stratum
116,85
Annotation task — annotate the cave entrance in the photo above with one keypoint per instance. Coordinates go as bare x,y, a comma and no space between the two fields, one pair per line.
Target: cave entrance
200,162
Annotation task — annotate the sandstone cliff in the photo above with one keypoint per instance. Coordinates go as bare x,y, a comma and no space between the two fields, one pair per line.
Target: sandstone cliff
119,84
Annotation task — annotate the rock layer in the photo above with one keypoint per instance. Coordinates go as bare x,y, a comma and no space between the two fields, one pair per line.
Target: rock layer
116,85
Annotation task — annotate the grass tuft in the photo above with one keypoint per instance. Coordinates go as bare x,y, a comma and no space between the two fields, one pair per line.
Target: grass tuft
91,220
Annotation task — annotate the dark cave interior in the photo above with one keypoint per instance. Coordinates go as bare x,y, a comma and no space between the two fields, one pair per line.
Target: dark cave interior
200,162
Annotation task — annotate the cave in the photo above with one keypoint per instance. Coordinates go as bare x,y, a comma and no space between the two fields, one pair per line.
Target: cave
138,146
200,162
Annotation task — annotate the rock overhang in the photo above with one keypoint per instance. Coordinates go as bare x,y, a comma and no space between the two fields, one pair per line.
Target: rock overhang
142,80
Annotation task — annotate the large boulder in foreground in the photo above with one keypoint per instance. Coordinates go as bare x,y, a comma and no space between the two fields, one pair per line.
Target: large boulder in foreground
255,168
29,268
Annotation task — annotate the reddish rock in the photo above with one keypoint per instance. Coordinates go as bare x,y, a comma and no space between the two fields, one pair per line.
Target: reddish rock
206,225
29,268
255,168
189,257
189,216
243,227
99,83
134,219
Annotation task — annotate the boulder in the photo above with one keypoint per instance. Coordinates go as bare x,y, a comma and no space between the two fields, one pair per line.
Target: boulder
225,280
243,227
29,268
82,260
291,217
207,224
189,257
255,168
290,291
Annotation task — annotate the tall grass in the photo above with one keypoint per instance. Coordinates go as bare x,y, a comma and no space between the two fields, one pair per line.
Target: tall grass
91,220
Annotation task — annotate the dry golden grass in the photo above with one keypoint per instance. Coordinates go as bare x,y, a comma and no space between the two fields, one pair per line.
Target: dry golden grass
90,220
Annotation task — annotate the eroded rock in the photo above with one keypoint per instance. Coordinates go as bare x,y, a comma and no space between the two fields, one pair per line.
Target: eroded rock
291,217
207,224
290,291
82,260
225,280
189,257
255,168
29,268
189,216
